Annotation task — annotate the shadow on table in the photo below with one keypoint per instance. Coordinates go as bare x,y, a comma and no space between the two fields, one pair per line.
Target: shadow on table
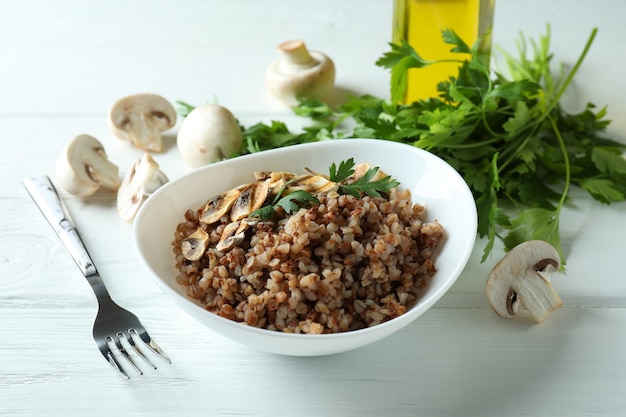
444,364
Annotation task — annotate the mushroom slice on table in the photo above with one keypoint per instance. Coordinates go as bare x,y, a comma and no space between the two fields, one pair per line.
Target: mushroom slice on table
143,178
83,167
140,119
194,245
522,277
299,73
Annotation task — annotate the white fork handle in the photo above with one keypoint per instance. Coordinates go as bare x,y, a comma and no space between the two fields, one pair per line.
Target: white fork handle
47,199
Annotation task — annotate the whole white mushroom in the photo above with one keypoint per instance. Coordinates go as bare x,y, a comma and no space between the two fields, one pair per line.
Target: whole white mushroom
298,73
208,134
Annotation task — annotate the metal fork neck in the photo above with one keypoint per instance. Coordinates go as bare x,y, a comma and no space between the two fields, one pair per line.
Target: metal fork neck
98,287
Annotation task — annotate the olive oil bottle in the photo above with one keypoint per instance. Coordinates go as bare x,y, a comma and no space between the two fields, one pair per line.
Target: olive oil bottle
420,23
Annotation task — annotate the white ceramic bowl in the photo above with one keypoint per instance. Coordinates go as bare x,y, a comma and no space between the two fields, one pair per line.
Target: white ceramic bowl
433,183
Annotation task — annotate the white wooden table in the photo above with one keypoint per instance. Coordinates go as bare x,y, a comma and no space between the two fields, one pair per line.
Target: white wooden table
63,63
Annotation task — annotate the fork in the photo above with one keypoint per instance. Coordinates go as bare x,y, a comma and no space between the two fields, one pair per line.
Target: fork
114,327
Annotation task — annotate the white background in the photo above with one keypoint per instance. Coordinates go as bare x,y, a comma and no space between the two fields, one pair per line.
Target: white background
63,63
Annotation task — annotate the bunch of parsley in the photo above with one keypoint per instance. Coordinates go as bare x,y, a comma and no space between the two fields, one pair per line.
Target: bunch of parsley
508,136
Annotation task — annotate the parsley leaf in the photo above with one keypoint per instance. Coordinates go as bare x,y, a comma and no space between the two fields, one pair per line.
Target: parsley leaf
260,137
294,200
602,189
344,171
609,160
487,207
265,212
450,37
290,203
364,184
534,223
399,60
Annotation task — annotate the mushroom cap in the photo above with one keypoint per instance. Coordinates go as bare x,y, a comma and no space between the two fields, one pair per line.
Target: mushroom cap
299,73
140,119
142,179
83,167
522,277
208,134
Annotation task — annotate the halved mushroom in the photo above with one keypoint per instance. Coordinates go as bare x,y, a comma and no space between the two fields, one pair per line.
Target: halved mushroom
194,245
143,178
251,198
140,119
83,167
218,206
522,277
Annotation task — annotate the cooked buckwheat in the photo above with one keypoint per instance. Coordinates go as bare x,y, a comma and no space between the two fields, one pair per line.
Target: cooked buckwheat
342,265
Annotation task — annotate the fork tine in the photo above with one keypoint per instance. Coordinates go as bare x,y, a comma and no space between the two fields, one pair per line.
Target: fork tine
122,350
108,355
149,342
132,343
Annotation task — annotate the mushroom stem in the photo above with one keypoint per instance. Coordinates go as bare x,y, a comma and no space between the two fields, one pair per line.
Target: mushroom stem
538,296
145,132
295,52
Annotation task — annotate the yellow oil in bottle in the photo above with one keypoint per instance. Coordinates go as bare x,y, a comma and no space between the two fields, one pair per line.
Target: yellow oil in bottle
420,23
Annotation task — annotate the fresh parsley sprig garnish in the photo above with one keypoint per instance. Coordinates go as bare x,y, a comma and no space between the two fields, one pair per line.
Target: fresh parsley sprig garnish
364,184
290,202
294,200
341,173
